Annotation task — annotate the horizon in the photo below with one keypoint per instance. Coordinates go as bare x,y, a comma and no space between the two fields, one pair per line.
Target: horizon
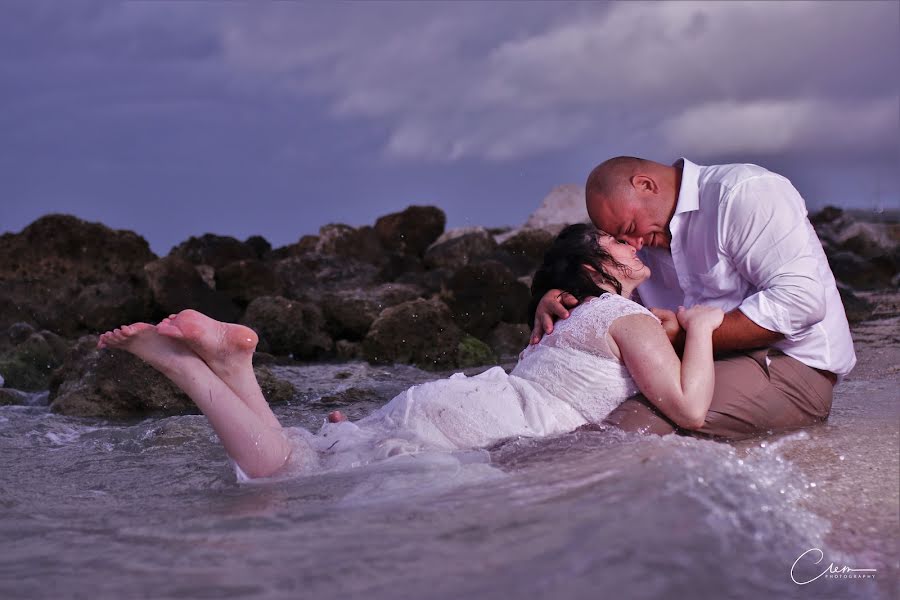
178,119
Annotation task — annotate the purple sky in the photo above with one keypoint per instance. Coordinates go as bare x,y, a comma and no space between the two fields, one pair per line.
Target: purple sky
179,118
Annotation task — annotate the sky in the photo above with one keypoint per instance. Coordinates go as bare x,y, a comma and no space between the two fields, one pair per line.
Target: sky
176,118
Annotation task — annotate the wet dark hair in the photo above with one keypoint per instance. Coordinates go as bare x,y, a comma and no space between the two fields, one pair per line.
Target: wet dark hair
563,266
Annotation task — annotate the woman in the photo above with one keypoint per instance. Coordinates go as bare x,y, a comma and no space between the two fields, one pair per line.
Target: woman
609,349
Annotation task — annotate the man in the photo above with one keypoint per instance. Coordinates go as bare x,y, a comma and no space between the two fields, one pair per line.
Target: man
736,237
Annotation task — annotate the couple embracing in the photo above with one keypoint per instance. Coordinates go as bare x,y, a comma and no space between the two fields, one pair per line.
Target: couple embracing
762,342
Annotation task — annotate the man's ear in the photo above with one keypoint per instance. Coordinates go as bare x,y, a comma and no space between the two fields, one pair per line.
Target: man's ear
645,184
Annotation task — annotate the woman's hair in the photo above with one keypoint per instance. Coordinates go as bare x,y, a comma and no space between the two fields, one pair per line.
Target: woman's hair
563,266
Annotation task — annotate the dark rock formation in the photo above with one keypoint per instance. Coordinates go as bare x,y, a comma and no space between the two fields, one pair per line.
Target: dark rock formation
411,231
420,332
29,365
350,313
176,285
457,250
214,250
244,280
117,385
481,295
70,276
289,327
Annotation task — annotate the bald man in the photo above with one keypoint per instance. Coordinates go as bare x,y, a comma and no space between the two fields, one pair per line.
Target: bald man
736,237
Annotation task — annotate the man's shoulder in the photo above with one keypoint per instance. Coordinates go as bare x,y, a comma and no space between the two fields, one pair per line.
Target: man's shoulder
731,176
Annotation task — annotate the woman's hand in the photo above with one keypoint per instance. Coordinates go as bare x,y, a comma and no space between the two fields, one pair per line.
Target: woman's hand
700,317
552,306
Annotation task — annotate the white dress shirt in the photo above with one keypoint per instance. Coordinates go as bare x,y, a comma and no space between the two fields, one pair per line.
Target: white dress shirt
741,239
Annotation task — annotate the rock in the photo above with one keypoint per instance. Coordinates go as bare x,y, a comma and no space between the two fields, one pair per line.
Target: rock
347,350
176,285
260,246
861,274
483,294
350,313
472,352
530,244
10,397
564,205
70,276
400,265
29,365
857,309
420,332
244,280
411,231
114,384
345,241
507,340
289,327
214,250
456,251
311,275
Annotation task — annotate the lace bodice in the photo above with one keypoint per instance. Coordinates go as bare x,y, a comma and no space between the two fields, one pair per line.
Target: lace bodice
575,364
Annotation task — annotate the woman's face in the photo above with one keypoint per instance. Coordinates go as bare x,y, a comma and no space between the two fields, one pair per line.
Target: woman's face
626,255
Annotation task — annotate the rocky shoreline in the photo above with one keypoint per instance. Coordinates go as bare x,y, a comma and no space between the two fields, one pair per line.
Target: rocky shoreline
404,290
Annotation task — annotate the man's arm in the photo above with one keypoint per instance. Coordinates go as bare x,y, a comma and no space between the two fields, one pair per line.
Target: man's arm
736,332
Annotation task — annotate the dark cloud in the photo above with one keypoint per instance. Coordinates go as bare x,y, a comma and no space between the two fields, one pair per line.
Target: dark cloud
176,118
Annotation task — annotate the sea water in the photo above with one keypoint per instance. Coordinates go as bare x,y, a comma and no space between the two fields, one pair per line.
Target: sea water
152,509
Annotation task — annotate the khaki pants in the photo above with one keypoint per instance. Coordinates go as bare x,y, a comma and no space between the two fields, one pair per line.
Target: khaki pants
750,398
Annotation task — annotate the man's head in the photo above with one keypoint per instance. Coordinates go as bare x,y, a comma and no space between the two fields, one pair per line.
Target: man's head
633,199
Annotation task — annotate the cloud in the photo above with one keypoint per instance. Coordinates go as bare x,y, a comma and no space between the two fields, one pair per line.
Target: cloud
776,127
501,83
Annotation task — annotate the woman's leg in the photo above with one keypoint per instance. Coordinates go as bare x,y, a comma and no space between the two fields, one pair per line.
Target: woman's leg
257,445
228,350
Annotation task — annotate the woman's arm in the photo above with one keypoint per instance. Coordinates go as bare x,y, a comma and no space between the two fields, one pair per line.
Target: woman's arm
681,389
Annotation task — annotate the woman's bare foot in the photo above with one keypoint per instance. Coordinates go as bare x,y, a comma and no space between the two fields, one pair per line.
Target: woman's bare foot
223,346
336,417
143,340
228,350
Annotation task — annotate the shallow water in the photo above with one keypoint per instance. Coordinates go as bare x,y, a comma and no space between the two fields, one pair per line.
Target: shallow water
153,510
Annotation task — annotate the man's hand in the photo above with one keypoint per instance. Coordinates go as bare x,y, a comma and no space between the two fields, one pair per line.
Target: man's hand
672,327
552,306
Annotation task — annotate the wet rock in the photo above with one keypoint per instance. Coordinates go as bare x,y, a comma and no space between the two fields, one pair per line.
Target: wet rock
397,266
564,205
114,384
420,332
412,230
350,313
507,340
529,244
305,245
347,350
260,246
10,397
472,352
289,327
244,280
482,295
453,251
857,309
311,275
29,365
214,250
860,273
358,243
70,276
176,285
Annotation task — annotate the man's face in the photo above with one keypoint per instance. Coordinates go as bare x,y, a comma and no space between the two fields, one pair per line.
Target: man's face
629,221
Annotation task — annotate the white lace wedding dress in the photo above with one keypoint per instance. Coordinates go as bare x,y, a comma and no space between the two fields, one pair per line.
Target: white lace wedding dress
571,378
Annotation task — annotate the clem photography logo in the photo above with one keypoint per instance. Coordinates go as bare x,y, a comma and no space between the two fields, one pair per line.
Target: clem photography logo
807,568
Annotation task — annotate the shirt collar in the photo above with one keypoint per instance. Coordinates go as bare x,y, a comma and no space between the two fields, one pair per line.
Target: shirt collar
689,193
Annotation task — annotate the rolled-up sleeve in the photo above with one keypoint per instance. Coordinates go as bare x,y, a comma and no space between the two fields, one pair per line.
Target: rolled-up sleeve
764,229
